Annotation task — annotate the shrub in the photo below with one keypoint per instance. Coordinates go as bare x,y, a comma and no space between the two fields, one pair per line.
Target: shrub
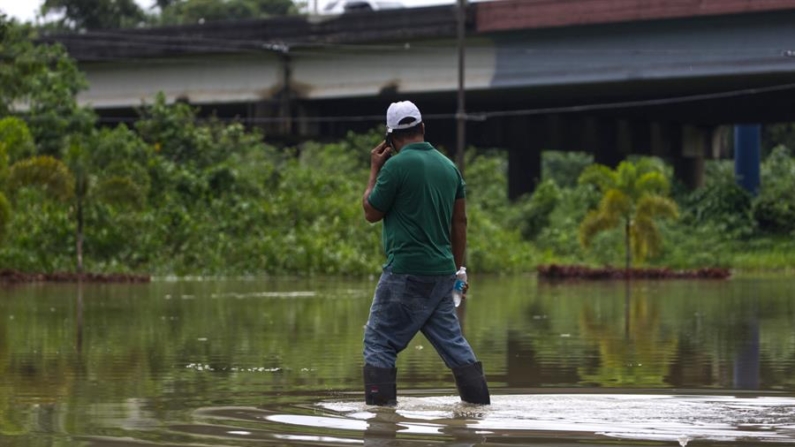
721,204
564,168
531,213
774,207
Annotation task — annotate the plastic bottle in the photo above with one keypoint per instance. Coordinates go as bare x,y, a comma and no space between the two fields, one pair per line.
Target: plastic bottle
460,283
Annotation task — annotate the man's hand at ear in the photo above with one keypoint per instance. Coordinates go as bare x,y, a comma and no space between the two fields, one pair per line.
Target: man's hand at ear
378,156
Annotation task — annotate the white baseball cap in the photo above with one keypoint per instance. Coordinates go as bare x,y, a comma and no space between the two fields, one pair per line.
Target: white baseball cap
398,111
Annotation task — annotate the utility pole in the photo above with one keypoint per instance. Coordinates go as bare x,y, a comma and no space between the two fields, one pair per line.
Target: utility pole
461,112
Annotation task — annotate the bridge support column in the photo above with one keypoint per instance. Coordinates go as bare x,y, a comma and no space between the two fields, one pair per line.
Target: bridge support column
524,139
635,137
604,140
747,156
265,116
689,171
663,137
689,161
303,127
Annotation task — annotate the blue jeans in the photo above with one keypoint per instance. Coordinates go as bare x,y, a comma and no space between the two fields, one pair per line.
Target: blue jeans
406,304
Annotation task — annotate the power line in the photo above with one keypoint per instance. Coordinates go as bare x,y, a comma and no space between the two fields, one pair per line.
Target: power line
636,104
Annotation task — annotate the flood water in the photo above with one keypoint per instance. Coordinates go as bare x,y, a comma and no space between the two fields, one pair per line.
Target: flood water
278,362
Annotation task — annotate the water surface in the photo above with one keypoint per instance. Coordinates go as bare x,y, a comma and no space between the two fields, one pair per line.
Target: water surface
278,361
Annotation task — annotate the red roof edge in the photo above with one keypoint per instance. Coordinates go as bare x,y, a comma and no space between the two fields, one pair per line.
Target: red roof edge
507,15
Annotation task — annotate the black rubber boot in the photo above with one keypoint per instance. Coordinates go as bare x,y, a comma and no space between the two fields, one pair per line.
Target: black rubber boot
471,384
380,386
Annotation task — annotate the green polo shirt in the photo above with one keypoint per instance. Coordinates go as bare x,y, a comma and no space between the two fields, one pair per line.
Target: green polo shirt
416,190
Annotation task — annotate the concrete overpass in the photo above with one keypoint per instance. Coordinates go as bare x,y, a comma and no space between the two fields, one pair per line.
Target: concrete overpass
611,77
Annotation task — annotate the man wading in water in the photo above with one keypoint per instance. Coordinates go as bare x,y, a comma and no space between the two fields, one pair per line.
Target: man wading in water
420,195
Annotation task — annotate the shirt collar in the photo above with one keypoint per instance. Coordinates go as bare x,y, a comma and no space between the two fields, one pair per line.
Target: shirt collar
421,146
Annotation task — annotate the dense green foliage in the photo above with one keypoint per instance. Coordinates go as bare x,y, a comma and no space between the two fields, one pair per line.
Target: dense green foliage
76,15
39,83
177,197
174,194
214,199
195,11
43,172
94,14
720,225
774,209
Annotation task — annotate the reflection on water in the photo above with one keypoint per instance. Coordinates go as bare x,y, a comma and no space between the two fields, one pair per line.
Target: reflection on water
279,362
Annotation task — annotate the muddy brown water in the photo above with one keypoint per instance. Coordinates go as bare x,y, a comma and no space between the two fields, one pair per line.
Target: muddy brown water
278,362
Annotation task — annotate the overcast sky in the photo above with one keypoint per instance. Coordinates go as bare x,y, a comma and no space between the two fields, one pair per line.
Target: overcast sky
25,10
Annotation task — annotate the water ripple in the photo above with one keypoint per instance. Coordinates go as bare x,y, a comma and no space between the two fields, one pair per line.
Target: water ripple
559,419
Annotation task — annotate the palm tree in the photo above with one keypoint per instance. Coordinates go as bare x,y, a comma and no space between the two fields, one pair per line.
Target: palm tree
633,197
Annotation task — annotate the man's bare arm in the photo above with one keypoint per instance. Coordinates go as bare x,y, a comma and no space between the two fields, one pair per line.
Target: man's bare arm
378,157
458,232
371,214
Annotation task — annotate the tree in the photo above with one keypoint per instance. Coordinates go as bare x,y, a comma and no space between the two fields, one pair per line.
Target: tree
42,171
633,196
774,207
5,215
39,83
163,4
15,140
110,173
94,14
114,184
193,11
